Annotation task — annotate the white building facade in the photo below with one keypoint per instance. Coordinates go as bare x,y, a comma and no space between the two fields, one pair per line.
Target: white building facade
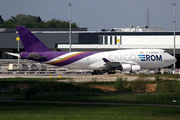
109,42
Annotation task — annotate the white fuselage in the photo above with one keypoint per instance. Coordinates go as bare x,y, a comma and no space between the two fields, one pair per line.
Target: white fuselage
145,58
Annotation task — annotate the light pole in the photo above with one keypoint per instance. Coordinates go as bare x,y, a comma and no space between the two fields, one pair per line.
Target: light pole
17,39
174,26
118,42
69,26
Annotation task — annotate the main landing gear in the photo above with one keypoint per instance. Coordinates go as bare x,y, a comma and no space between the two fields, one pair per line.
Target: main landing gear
159,71
112,72
98,72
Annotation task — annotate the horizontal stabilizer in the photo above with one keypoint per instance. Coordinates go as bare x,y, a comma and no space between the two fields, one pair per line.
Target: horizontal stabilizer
13,54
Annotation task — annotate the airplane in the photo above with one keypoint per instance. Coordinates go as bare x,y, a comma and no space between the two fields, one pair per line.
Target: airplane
125,60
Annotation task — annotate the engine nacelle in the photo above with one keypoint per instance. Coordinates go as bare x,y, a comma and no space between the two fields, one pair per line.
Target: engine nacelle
135,68
126,67
129,67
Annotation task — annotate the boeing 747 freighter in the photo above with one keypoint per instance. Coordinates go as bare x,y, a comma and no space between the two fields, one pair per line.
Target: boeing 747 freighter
125,60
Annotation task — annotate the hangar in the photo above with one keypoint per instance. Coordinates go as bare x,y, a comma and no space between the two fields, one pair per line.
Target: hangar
105,40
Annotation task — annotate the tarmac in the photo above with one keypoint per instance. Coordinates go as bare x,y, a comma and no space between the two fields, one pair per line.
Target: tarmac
74,76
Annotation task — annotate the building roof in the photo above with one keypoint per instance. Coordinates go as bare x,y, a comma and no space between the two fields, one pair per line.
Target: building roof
43,29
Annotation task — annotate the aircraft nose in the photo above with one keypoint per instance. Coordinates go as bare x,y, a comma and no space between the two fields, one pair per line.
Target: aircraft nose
169,59
172,59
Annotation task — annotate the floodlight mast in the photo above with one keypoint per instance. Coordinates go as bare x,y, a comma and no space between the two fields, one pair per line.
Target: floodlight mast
69,26
174,26
17,39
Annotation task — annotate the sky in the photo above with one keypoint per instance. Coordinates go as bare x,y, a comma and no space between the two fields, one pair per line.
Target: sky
98,14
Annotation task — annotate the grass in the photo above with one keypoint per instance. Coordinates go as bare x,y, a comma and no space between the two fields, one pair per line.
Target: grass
44,111
166,86
156,75
44,89
55,91
19,79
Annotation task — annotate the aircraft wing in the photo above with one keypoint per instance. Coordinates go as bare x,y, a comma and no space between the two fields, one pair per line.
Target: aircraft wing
105,64
126,65
32,55
109,64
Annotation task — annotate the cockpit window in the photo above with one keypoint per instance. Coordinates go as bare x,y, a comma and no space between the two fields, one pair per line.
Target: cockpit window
153,52
165,52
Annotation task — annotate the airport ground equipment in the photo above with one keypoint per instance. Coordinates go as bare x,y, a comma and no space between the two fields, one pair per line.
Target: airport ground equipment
41,67
23,67
32,67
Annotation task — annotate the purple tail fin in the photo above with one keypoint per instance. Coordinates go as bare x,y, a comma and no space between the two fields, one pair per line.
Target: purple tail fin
30,42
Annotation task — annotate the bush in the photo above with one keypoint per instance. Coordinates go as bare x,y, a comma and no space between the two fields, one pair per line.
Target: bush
158,79
33,90
16,89
168,86
122,85
52,87
139,84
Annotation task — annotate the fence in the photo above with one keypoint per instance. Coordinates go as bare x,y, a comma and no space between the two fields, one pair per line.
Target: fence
92,97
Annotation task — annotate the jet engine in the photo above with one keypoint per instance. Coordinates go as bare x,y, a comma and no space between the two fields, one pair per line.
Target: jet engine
129,67
135,68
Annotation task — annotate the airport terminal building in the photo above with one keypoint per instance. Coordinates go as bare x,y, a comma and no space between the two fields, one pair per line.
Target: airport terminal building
105,40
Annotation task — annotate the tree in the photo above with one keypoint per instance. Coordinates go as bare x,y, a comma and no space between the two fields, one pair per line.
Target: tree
39,19
74,25
1,20
34,22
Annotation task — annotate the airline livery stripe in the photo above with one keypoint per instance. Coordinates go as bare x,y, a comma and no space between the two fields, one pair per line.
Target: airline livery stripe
66,58
72,58
142,57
